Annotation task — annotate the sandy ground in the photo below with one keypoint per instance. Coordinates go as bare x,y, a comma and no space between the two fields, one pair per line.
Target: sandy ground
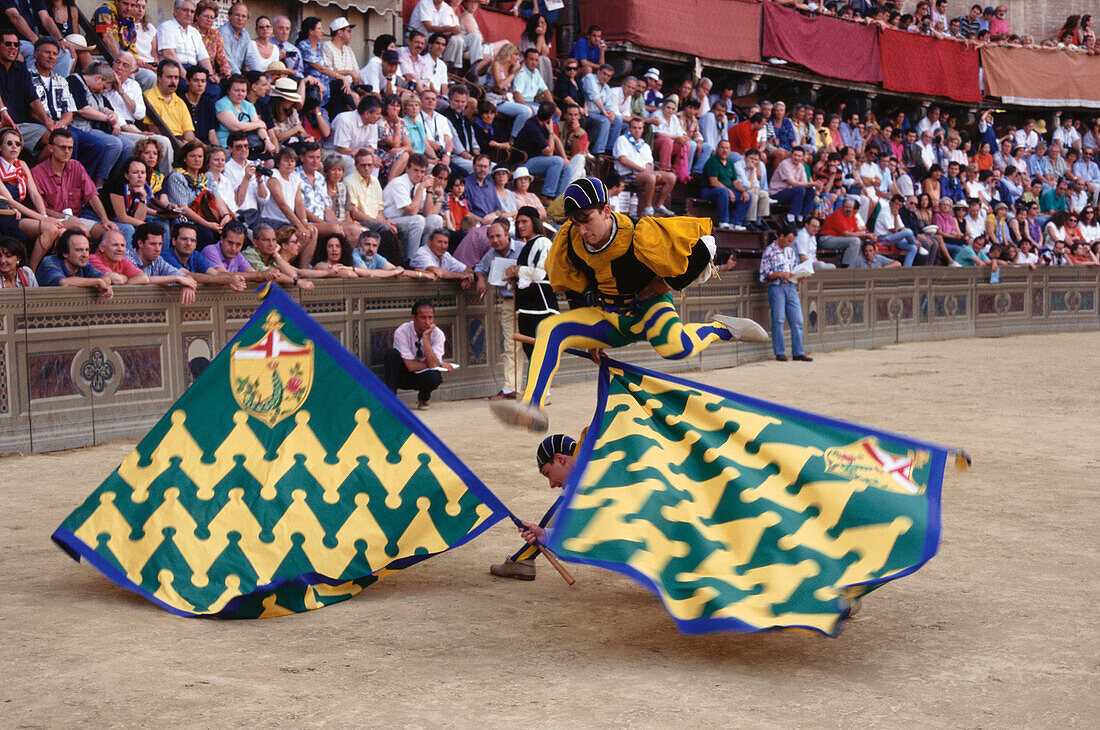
999,630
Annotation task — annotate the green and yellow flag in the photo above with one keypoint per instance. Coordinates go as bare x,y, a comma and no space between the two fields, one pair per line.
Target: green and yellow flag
286,478
741,514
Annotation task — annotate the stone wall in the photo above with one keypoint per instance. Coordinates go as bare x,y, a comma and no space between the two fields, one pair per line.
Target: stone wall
77,371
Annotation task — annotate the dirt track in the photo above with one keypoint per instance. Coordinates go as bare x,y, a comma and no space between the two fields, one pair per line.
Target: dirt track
999,630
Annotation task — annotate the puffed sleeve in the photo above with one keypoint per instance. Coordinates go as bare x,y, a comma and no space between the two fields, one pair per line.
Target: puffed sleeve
564,276
665,244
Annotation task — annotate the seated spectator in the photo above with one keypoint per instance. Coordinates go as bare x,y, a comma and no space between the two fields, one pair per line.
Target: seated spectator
789,186
21,193
742,137
410,109
243,191
481,196
384,77
608,122
871,259
285,205
373,265
310,35
508,205
412,66
128,197
265,259
530,86
1027,255
434,263
287,127
145,47
70,266
1055,255
438,18
127,100
590,51
438,135
972,255
536,37
996,225
890,229
567,86
752,175
1081,255
113,23
463,132
239,48
457,209
188,190
333,256
393,138
67,192
634,162
670,143
1058,228
500,90
206,14
200,106
416,360
267,50
181,254
224,255
170,108
365,196
339,60
948,226
146,255
545,151
973,223
24,111
493,136
843,229
521,182
313,188
404,199
699,150
805,245
235,113
14,272
1089,225
178,40
574,139
723,189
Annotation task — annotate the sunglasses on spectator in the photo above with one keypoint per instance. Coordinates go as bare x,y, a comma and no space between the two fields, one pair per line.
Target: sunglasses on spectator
11,44
567,68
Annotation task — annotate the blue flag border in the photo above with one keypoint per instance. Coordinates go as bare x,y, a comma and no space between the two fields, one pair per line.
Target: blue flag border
293,312
706,625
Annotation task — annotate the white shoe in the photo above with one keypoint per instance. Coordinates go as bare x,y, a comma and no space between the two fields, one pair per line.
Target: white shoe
649,212
520,414
665,211
744,330
923,251
739,228
725,226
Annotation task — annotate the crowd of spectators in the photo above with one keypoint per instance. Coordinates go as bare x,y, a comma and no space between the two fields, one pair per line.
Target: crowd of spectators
290,160
978,26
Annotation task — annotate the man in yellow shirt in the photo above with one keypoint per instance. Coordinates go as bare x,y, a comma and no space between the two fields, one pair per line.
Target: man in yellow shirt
366,193
170,108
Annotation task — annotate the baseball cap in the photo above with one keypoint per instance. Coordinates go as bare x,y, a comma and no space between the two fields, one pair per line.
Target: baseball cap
339,24
559,443
652,73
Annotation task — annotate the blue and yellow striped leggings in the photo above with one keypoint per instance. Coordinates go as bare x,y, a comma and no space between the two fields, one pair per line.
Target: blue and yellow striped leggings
655,320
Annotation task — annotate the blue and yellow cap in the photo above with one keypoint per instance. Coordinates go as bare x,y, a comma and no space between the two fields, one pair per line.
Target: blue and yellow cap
559,443
588,192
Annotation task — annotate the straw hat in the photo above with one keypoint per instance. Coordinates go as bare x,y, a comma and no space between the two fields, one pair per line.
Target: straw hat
278,68
285,88
521,172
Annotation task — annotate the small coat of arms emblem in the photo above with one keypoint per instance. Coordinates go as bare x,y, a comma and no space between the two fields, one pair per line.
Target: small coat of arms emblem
867,461
271,378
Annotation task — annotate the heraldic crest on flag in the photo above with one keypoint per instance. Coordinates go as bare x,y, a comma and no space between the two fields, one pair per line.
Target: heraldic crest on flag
286,478
741,514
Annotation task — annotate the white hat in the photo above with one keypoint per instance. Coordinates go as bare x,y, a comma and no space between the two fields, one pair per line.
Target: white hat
78,42
339,24
285,88
652,73
521,171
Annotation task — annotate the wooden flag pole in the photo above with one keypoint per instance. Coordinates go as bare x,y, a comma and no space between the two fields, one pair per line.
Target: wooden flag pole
569,579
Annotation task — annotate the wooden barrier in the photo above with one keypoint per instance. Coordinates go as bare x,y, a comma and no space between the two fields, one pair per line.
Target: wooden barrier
77,371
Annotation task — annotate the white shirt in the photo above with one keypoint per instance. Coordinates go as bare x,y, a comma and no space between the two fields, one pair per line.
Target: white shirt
637,151
927,124
1027,140
671,126
409,64
805,245
187,44
426,11
372,76
887,222
424,258
396,195
349,131
224,189
742,172
1068,137
132,90
437,127
405,339
974,227
338,59
289,190
437,73
904,185
234,173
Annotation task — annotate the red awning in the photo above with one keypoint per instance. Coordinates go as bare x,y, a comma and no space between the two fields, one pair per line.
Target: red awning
826,46
923,65
1040,77
723,30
